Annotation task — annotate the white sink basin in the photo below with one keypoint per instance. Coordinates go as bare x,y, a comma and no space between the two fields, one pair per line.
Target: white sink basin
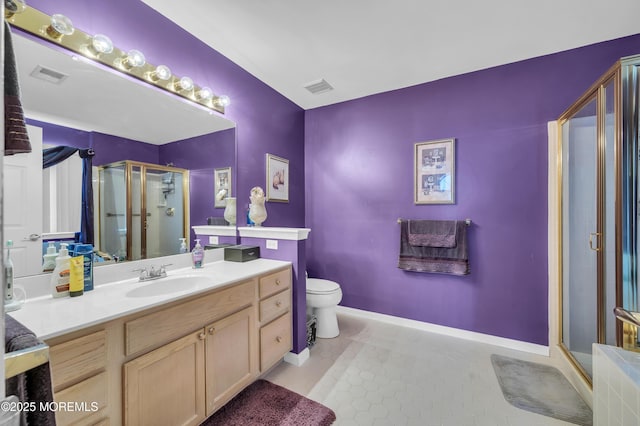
168,285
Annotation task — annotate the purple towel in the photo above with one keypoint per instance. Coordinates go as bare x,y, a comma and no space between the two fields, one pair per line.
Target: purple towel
453,261
433,233
33,385
16,139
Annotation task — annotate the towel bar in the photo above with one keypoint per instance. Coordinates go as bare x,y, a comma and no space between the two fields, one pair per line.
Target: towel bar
466,221
18,362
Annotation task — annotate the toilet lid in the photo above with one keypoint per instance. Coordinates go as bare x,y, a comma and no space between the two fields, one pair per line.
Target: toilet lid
318,286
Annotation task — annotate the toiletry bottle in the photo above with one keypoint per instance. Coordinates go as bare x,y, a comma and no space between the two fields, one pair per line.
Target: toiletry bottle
76,276
197,254
60,275
86,251
49,259
183,245
249,221
8,275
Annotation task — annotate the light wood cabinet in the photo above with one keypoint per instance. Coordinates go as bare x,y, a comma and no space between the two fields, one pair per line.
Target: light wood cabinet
166,386
231,357
175,364
78,374
170,323
275,317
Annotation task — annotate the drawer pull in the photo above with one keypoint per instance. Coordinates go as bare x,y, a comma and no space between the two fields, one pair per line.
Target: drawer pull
277,281
211,330
278,339
201,336
278,303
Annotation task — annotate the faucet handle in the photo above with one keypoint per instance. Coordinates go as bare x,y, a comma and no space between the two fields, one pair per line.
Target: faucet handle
163,270
143,272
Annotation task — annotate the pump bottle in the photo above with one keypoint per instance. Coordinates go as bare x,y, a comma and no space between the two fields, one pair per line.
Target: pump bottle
197,254
60,275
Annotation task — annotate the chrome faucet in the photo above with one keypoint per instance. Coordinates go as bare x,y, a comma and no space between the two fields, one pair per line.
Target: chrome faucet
152,273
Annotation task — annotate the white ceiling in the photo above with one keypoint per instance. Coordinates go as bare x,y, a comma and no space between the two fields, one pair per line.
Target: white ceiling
362,47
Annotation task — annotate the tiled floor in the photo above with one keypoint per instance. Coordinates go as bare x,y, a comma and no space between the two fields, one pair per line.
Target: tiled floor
376,373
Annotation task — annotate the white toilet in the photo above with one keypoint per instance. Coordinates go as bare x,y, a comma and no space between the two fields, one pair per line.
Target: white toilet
322,298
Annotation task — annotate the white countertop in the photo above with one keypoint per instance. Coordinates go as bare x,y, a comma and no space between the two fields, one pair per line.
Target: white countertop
48,317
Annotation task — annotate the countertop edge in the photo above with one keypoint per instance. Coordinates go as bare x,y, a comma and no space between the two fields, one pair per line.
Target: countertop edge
41,314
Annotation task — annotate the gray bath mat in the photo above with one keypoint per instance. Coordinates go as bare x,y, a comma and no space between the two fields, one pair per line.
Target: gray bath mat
540,389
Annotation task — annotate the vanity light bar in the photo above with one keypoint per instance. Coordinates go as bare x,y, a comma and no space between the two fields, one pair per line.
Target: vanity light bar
39,24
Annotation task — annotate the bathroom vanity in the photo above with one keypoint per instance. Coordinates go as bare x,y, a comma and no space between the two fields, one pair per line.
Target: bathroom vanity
170,351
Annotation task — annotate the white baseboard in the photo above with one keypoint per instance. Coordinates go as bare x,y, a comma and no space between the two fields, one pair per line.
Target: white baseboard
448,331
297,359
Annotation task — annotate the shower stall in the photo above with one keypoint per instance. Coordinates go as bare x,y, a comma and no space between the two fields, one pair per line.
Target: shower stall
598,178
142,209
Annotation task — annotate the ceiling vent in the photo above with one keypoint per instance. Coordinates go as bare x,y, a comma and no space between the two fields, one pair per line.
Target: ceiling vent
48,74
318,86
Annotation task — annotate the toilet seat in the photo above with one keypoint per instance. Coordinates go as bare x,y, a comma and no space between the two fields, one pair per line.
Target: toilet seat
320,286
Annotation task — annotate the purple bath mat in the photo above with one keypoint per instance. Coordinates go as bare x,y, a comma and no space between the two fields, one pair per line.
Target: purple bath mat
266,404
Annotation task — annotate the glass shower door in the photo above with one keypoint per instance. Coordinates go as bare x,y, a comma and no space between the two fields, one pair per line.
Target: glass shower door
580,236
165,209
589,269
113,211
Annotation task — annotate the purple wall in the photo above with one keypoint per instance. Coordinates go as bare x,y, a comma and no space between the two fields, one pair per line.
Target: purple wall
108,148
359,181
201,155
267,122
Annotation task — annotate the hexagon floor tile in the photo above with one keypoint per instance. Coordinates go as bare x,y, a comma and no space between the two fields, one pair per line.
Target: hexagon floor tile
376,373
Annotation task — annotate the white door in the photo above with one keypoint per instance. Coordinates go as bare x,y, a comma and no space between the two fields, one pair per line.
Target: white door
23,206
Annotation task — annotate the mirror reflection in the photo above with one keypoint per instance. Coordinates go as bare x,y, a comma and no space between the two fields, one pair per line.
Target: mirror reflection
175,145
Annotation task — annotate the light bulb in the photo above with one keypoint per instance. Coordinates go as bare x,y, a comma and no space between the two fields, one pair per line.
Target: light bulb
100,43
134,58
60,26
14,6
185,83
162,72
204,94
222,101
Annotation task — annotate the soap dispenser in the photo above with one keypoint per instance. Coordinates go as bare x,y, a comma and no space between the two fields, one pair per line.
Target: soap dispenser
49,259
183,245
197,254
60,275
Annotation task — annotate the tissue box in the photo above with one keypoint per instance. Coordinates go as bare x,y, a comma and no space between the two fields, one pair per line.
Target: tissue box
241,253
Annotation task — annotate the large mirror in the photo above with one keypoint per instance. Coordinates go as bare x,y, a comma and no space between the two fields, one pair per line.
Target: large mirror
72,101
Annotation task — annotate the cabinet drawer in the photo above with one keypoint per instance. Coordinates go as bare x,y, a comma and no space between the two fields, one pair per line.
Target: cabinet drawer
169,324
275,283
275,306
275,341
90,393
77,359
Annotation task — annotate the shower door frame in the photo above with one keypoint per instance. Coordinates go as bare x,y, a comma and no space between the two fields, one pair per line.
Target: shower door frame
129,166
597,91
143,201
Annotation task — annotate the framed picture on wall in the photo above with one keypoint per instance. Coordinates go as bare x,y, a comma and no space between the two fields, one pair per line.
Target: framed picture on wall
277,179
222,186
434,175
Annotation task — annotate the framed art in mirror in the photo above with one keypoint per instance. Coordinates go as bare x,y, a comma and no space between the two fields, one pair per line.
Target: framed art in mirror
277,179
434,172
222,187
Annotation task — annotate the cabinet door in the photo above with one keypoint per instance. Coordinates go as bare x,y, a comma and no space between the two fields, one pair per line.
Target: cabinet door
231,356
166,386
